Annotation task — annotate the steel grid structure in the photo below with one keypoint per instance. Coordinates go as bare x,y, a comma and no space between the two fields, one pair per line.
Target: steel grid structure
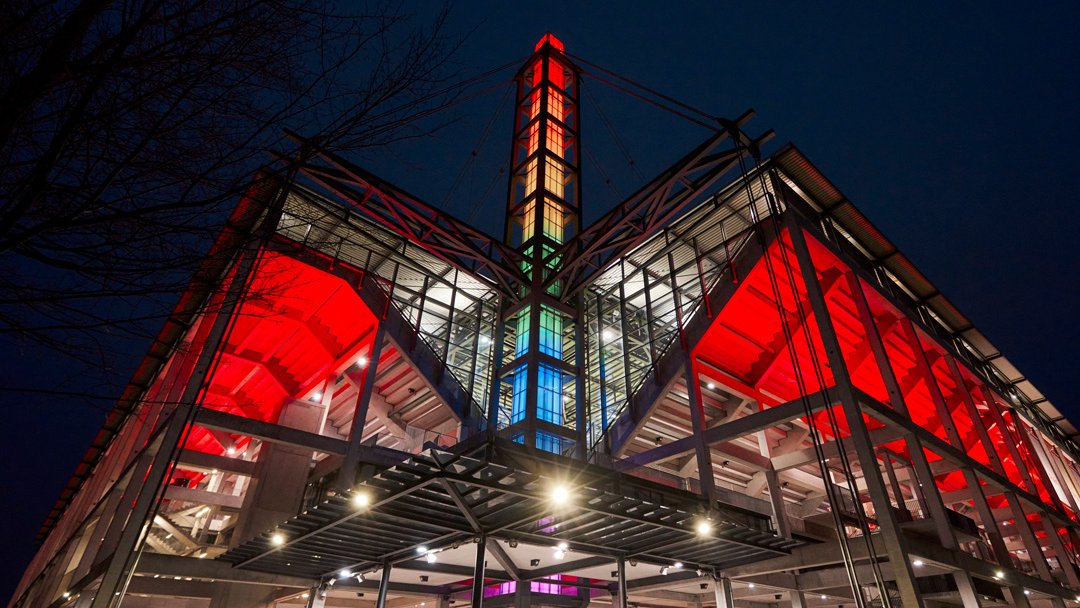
731,395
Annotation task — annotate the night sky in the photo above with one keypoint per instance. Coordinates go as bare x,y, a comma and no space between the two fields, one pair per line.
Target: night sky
953,128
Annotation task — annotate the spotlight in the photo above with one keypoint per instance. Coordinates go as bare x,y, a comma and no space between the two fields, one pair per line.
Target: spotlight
534,562
344,573
608,334
560,554
361,361
614,574
560,495
824,597
421,549
316,396
562,546
431,559
699,572
999,574
423,578
1026,592
330,583
677,565
917,563
664,571
513,544
359,578
278,539
304,595
65,595
231,451
703,527
710,386
361,499
633,562
751,586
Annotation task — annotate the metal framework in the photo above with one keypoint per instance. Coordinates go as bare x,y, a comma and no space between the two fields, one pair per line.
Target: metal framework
732,394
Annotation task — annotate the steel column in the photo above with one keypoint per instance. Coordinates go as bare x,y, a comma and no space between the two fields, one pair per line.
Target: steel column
347,472
621,567
893,538
384,585
478,573
722,591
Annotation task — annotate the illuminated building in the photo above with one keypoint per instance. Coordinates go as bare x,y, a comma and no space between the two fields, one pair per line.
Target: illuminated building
729,390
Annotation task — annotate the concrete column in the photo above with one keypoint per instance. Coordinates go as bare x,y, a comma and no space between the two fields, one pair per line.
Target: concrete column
273,496
798,600
722,590
316,599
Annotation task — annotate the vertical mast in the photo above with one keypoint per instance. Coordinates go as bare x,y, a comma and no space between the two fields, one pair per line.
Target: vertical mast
543,211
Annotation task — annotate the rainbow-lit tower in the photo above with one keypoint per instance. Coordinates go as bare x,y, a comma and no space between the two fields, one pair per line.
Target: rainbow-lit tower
543,211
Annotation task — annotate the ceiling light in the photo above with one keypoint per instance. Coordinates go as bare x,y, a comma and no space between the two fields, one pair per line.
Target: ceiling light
999,574
559,554
361,499
563,546
677,565
703,527
664,571
344,573
278,538
608,334
361,361
513,544
824,597
917,563
751,586
421,549
359,578
710,386
304,595
560,494
431,559
230,451
1026,592
316,396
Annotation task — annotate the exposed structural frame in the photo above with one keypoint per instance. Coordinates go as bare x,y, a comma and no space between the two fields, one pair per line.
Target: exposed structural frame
736,396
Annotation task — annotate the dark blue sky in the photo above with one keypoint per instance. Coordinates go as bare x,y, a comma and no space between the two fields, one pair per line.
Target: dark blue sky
952,126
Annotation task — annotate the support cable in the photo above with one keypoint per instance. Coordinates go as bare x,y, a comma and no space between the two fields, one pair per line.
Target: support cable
475,152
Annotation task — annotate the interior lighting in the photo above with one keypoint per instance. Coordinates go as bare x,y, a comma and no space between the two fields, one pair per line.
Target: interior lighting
361,361
664,571
1026,592
421,549
361,499
278,539
677,565
560,494
559,554
703,527
231,451
65,595
562,546
751,586
710,386
359,577
485,340
917,563
344,573
999,574
608,334
304,595
431,559
824,597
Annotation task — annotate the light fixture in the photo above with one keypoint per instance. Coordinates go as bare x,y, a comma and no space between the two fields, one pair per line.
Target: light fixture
559,554
677,565
699,572
608,334
513,544
359,577
361,361
562,546
330,583
304,595
710,386
560,494
278,538
664,571
344,573
917,563
1026,592
65,595
824,597
231,451
703,527
431,559
534,562
751,586
565,399
316,396
361,499
633,562
999,574
485,340
421,549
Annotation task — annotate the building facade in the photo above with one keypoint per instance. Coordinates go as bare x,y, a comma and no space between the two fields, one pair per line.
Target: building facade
730,390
